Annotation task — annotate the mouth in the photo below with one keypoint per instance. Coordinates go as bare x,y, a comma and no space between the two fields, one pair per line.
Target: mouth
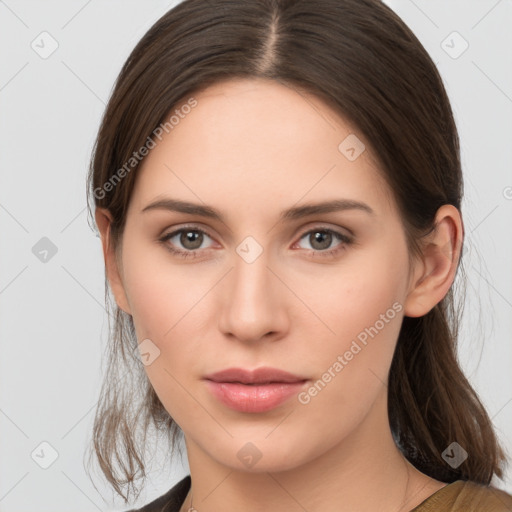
254,391
259,376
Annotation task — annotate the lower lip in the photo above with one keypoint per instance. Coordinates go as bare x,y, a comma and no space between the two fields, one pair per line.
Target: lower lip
254,398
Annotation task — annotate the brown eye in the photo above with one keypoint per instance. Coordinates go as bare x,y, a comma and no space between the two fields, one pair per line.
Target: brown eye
191,239
186,241
321,240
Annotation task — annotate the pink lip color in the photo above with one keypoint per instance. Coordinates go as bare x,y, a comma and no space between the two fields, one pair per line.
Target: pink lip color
253,391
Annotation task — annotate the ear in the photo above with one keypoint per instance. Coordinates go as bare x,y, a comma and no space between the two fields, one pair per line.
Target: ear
435,271
103,221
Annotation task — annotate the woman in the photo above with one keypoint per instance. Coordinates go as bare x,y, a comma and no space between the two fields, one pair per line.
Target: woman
278,186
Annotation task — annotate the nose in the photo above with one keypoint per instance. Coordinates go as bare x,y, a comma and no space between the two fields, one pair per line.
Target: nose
253,302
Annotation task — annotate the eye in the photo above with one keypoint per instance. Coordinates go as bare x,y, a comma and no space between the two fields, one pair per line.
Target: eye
190,238
321,239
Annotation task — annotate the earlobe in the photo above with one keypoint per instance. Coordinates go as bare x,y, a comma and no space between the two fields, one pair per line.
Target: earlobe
435,272
103,221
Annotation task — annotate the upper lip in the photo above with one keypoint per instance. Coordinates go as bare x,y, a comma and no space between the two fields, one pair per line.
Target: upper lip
264,375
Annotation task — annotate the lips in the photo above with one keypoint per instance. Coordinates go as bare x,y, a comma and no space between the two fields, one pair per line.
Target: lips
263,375
254,391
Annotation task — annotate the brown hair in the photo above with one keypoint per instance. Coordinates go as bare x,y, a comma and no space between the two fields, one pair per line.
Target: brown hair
363,61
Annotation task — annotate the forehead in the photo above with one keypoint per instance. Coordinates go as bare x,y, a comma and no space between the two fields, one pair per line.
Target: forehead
255,142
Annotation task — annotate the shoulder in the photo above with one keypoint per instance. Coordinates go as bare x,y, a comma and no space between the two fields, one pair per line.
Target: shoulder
171,501
484,497
467,496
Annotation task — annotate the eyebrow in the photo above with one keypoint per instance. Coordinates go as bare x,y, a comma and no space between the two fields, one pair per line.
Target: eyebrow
293,213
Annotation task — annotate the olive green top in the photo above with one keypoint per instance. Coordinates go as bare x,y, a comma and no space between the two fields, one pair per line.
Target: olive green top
459,496
466,496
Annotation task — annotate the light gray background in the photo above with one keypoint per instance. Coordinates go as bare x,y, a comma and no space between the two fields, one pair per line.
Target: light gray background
52,321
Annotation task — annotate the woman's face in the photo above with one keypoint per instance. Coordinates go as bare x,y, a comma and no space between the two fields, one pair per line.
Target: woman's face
320,295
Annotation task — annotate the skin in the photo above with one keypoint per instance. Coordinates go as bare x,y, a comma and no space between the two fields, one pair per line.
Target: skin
252,148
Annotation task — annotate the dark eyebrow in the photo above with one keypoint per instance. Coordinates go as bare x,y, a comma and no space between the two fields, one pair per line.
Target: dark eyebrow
293,213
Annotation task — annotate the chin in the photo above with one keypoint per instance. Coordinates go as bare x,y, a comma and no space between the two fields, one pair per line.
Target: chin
261,455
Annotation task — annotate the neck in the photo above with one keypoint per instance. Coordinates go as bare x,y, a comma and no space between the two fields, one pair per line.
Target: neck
364,472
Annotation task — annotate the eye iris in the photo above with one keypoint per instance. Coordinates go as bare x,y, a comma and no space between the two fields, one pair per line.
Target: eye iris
324,237
195,238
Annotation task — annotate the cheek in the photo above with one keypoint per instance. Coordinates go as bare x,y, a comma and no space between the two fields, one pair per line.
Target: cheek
166,304
364,310
160,293
169,307
365,293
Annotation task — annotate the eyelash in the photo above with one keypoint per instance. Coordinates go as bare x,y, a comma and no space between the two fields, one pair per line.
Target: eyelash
344,239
